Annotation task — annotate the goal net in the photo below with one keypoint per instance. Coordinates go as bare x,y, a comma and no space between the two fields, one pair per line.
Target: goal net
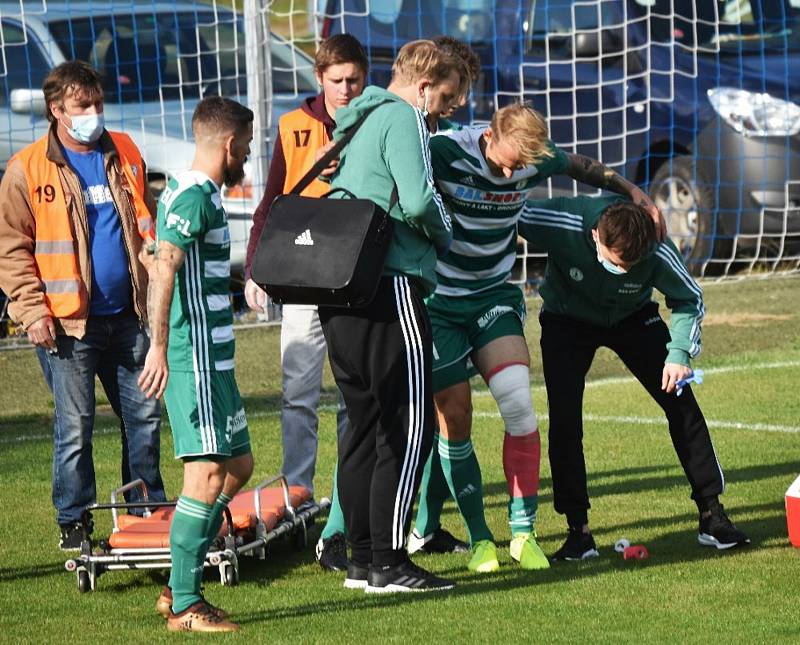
692,101
697,102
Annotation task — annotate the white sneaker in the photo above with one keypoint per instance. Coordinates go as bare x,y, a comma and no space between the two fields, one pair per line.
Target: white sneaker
417,541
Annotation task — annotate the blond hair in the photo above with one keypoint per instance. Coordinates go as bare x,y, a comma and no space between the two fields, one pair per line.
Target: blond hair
524,129
420,59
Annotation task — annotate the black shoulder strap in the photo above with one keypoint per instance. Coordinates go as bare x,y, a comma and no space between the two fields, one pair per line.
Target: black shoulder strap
323,161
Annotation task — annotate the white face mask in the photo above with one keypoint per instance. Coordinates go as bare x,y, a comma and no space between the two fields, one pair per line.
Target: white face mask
86,128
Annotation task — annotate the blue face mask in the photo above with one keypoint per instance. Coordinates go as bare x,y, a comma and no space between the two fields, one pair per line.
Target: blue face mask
607,264
86,128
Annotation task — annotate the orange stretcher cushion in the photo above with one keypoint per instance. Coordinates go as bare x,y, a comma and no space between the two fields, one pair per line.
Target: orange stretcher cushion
153,532
126,520
148,534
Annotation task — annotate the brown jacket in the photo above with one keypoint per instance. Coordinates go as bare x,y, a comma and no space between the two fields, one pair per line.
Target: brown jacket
19,277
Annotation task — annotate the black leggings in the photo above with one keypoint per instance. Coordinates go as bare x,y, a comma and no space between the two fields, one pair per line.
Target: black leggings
568,348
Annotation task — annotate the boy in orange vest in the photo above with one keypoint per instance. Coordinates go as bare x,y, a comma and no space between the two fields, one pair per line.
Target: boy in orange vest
75,211
341,68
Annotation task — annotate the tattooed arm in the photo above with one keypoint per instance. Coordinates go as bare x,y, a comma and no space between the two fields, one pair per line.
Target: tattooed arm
594,173
166,262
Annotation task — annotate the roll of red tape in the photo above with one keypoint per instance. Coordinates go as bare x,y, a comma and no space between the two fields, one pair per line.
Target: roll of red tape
635,552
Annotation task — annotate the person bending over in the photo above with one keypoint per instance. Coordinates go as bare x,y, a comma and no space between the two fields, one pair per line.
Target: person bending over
604,260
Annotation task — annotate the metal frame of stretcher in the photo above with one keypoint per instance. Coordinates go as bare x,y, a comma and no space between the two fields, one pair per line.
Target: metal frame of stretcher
248,533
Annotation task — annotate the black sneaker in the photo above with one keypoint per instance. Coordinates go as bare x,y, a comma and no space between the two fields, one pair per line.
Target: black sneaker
332,553
440,541
718,531
404,577
71,537
357,575
578,546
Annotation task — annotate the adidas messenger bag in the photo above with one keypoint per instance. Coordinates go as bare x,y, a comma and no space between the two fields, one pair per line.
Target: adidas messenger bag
320,251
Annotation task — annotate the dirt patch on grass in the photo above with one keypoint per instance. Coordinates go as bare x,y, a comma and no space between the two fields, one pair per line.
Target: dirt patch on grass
744,319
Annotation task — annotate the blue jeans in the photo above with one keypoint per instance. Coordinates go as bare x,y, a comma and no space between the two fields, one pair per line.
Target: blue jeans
113,349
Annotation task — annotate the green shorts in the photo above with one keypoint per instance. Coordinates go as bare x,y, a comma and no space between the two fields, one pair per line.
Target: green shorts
206,415
464,324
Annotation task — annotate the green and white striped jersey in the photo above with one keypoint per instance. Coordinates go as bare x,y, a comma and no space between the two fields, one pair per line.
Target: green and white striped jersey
485,210
190,216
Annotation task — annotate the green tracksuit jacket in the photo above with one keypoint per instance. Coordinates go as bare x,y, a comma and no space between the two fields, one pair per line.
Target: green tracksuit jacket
391,148
577,285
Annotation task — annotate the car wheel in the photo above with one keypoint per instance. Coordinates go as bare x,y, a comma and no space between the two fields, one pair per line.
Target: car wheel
686,199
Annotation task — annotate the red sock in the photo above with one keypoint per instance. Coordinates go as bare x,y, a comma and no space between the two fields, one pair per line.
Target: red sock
521,463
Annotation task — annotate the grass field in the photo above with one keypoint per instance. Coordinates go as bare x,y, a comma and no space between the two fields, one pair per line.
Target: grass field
682,593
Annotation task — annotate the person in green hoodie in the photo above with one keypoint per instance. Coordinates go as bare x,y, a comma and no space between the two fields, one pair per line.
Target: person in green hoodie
380,354
603,263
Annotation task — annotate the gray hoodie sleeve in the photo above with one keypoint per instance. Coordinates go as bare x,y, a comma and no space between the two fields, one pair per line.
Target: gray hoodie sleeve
405,149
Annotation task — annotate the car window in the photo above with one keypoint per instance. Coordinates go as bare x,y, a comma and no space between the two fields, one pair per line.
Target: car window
170,55
385,11
23,65
736,26
389,23
552,23
292,71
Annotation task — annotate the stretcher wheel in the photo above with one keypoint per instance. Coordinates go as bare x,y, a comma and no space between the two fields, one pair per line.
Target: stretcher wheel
230,576
83,582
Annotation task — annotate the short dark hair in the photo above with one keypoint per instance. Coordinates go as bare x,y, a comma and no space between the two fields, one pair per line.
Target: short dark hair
73,76
339,49
221,115
627,229
461,49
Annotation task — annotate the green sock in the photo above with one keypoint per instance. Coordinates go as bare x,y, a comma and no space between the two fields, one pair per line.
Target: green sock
335,523
217,515
463,475
522,513
434,492
188,541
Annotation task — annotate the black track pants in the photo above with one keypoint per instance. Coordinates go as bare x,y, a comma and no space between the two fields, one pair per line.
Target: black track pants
568,347
381,359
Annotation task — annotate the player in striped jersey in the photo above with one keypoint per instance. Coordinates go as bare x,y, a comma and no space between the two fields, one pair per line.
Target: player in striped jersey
191,353
485,176
603,264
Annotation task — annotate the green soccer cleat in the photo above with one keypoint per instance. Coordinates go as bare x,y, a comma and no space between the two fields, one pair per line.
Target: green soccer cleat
484,557
529,554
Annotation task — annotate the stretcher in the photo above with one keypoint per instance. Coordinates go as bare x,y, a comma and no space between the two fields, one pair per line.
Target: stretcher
253,519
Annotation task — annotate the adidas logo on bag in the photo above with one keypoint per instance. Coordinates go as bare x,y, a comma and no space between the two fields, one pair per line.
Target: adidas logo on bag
304,239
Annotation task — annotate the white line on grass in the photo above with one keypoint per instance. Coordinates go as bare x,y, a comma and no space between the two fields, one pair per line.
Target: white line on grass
655,421
725,369
727,425
108,429
730,425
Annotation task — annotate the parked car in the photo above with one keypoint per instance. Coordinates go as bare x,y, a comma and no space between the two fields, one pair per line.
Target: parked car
158,59
698,101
